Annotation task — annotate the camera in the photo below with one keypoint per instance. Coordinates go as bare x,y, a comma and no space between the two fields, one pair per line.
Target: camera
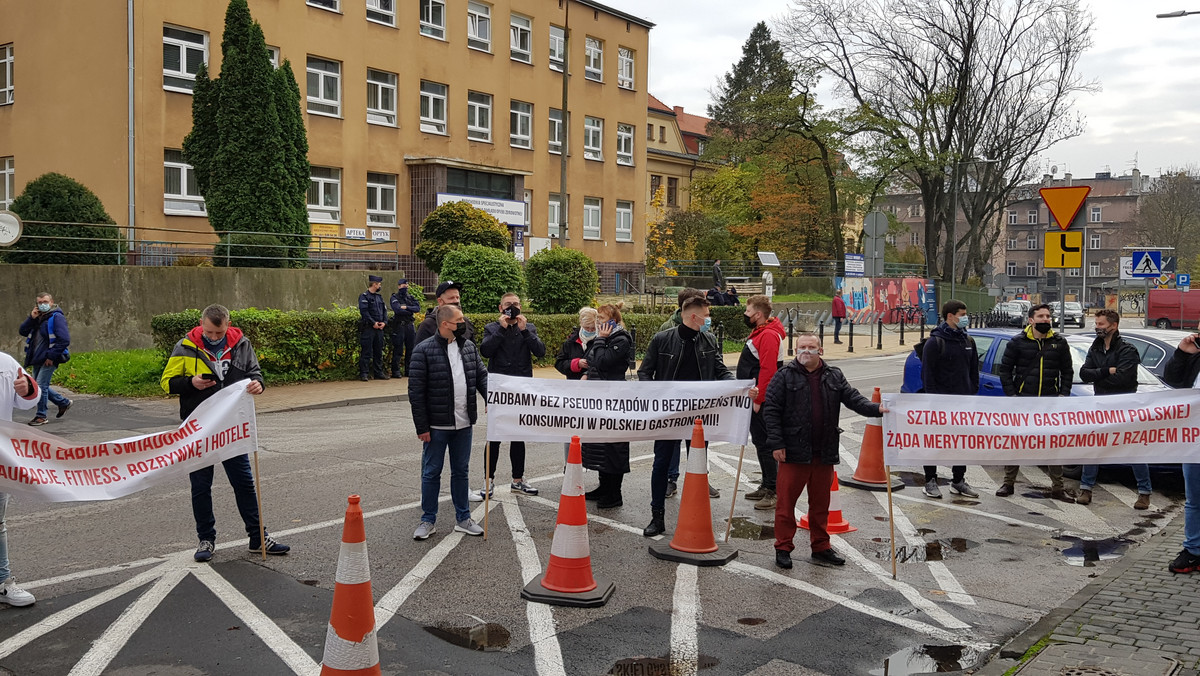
512,311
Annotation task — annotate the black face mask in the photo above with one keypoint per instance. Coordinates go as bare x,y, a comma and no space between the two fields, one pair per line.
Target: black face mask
747,321
1042,327
460,330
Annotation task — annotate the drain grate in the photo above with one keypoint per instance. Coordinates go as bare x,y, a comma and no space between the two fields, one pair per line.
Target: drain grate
1089,671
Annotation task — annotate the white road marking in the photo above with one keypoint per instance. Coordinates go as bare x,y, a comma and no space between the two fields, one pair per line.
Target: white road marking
594,517
685,615
977,512
751,457
1076,516
547,653
71,577
105,648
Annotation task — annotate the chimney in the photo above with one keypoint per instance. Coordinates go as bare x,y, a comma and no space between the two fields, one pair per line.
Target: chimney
1136,184
1047,179
677,109
1067,178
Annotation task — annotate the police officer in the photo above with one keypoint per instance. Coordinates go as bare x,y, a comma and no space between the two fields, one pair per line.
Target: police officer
403,333
372,319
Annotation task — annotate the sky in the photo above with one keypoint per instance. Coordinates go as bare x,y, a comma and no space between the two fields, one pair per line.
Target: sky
1148,69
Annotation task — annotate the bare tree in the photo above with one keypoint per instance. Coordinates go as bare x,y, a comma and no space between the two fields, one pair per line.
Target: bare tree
1169,215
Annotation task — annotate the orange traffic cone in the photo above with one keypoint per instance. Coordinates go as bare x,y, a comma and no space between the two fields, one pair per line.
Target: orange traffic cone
870,473
350,644
694,542
568,578
837,522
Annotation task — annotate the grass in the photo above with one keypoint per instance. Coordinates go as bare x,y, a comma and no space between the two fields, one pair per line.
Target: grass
802,298
123,373
1029,655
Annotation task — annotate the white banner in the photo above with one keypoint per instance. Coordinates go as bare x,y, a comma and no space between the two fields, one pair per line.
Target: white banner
535,409
508,212
44,467
939,429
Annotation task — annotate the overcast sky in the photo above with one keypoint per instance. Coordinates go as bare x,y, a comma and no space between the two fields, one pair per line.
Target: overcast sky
1148,69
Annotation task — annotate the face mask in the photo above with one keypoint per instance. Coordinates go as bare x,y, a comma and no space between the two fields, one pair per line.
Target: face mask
460,330
1042,327
707,324
43,307
587,335
749,322
1101,333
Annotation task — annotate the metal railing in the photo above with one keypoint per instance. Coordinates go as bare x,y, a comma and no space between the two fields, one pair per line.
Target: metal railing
752,269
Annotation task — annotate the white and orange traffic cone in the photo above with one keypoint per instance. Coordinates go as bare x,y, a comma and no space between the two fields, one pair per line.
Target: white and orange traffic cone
568,579
694,541
351,647
870,473
837,522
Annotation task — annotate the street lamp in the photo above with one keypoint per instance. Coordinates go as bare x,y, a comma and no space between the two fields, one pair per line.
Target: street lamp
1174,15
953,240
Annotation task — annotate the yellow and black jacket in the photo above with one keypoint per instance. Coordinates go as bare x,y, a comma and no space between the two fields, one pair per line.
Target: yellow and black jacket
190,358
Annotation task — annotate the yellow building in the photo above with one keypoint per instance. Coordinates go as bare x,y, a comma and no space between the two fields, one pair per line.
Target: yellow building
404,101
674,143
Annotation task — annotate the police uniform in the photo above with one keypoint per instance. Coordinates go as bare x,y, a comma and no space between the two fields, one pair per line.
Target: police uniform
370,339
403,333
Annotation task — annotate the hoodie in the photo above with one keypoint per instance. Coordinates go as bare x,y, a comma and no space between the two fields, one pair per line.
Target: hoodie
762,356
191,357
46,337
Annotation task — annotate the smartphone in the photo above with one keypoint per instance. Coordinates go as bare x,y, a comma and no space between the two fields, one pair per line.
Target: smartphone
208,376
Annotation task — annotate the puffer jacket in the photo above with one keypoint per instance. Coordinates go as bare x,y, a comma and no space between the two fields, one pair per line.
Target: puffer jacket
1121,355
566,361
42,344
608,359
1034,367
666,347
787,413
431,386
510,351
189,358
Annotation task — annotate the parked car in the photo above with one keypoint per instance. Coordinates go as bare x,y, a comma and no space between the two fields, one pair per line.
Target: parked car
1074,313
1154,346
1006,314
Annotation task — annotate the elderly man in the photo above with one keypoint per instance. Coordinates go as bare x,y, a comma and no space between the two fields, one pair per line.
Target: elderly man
18,389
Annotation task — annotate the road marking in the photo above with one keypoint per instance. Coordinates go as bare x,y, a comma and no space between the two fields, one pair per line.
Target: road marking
71,577
105,648
547,653
685,615
976,512
748,459
1076,516
612,523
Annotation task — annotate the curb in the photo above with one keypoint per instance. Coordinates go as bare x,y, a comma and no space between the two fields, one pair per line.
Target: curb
340,403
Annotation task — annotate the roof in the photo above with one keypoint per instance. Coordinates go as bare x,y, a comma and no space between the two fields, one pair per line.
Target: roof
616,12
657,105
691,124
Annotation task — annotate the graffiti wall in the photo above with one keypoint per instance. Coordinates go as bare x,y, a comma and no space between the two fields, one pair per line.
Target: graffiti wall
888,297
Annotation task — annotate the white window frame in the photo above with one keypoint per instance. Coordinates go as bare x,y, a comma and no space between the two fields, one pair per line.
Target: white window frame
184,46
7,58
520,30
1031,269
1012,217
520,124
1031,218
327,5
479,116
624,224
185,202
593,59
593,138
382,12
379,188
8,181
1072,272
554,215
593,221
320,104
273,55
1012,243
626,68
329,207
558,47
1031,243
479,26
1094,269
558,131
429,99
1011,268
914,238
625,144
1095,241
379,84
1096,215
430,27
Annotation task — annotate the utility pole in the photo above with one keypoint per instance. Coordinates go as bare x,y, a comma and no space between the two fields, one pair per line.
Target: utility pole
563,208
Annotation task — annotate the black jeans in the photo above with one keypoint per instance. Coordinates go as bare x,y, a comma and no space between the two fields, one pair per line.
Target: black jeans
238,470
371,343
758,436
516,455
404,337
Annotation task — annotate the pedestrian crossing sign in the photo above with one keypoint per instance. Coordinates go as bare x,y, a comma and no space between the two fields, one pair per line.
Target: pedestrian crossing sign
1147,264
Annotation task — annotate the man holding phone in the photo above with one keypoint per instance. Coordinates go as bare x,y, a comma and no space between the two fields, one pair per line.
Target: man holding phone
46,341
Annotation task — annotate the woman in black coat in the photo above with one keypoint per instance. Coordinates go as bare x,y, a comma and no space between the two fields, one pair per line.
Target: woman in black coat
608,357
571,359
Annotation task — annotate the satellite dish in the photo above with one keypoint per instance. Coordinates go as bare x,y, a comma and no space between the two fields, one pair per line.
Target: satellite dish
1053,169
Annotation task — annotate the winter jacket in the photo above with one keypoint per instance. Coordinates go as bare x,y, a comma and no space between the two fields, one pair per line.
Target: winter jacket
1034,367
41,343
190,358
787,413
429,329
666,347
370,309
405,306
1120,354
839,307
949,362
674,320
1181,371
608,359
716,297
762,356
431,386
567,359
510,351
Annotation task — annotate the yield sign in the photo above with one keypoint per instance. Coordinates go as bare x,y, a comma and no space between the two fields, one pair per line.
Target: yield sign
1064,203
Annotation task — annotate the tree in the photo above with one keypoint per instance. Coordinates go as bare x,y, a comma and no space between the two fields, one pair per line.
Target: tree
453,225
561,280
65,224
485,273
295,162
1169,215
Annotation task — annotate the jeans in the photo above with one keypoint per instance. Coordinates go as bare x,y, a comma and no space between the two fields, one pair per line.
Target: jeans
957,473
793,477
758,436
837,328
458,442
242,480
1191,508
673,467
516,455
664,451
42,374
4,571
1141,472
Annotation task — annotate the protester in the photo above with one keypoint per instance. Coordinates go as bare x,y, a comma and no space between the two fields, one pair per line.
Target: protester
608,357
1037,363
1183,370
210,358
731,296
718,276
447,293
47,338
950,365
1111,367
571,360
403,334
839,315
510,345
801,412
446,375
372,320
676,319
761,357
18,389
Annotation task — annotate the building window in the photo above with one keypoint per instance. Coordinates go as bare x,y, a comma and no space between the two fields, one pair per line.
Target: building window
655,184
672,191
625,144
591,217
479,26
649,131
433,18
381,199
180,194
625,68
381,97
433,107
1031,217
479,183
184,51
662,134
6,74
324,86
1012,218
554,215
479,116
593,61
593,138
7,182
1094,269
1095,241
624,221
1072,272
558,131
914,239
325,195
521,38
1095,214
558,47
382,11
273,55
1011,268
331,5
890,239
1012,243
1031,269
520,124
1031,243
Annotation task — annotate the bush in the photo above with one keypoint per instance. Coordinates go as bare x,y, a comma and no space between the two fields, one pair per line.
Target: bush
486,274
54,206
454,225
250,250
561,280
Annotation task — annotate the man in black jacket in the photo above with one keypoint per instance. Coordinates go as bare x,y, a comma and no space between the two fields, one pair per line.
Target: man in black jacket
510,345
403,333
801,412
371,322
448,293
950,365
446,375
1037,363
1184,371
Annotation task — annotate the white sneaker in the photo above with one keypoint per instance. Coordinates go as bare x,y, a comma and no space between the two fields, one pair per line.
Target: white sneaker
477,496
13,595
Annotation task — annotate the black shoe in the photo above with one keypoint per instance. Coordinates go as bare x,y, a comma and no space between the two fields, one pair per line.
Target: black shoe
828,556
1004,491
610,501
397,374
657,525
783,559
1186,562
381,376
598,493
363,377
671,488
837,342
63,409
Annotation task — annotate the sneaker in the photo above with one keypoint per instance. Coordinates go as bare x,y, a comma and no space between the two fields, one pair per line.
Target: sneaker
671,487
1143,501
273,548
397,374
424,530
713,492
1186,562
477,496
768,501
382,376
363,377
468,526
757,494
205,551
13,595
932,490
63,409
523,487
962,488
1085,497
1004,491
38,421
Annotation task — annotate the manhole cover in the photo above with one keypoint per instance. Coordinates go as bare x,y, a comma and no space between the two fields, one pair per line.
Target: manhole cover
1089,671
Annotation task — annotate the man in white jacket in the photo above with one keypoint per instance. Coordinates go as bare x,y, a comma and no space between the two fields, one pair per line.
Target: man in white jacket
18,389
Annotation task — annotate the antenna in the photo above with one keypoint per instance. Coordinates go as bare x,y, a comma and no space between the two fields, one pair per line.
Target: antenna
1133,164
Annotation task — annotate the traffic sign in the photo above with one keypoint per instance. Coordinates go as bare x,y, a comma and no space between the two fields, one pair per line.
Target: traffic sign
875,224
1063,250
1064,203
1147,264
1183,279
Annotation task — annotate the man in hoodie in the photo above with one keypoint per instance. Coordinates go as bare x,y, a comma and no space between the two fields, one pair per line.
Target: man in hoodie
760,359
403,334
950,365
46,342
212,357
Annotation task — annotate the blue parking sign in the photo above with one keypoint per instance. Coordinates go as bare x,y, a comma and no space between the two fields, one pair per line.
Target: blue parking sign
1183,280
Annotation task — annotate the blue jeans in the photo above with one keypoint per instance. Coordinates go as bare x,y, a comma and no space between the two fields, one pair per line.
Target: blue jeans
242,480
458,442
1191,508
4,571
1140,472
42,375
666,456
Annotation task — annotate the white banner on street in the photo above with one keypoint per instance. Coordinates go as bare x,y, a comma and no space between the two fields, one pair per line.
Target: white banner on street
600,411
44,467
939,429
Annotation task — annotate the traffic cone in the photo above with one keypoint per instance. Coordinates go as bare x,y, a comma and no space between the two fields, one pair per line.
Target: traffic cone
568,578
870,473
837,522
694,541
350,643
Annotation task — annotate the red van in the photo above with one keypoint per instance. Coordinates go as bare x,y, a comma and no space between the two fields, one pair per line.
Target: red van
1163,310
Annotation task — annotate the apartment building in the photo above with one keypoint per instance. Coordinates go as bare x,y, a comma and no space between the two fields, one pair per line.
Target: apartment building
674,143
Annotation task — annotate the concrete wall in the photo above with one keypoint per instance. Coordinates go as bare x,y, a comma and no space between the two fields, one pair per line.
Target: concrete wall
109,307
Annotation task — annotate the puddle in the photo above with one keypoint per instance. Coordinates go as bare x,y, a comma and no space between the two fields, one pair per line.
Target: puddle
1156,517
751,620
655,666
998,541
937,550
881,518
924,659
1035,495
1087,552
1135,531
1035,514
484,636
748,530
311,583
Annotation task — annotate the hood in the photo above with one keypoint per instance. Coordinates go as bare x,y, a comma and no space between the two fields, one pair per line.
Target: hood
773,325
1028,331
232,337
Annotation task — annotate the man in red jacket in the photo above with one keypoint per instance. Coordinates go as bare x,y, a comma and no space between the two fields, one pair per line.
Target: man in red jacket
839,313
761,358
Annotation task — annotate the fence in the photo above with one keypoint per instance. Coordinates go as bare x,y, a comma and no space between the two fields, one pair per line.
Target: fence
787,268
